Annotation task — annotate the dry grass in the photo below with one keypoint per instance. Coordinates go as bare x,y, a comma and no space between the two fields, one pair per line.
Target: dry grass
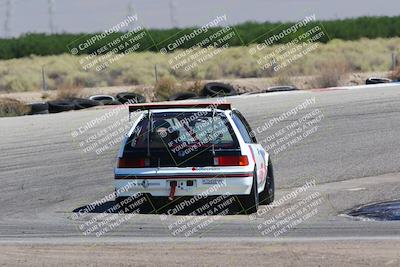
65,71
284,79
11,107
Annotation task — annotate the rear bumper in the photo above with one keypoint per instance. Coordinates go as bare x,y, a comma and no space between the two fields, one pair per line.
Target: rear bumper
205,186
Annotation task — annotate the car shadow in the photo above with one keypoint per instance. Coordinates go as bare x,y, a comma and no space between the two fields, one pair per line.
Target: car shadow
179,206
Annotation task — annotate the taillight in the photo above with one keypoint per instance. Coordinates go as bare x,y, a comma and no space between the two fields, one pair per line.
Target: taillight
231,161
131,163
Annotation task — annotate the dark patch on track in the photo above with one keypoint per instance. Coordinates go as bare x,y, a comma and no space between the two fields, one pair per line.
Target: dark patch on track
385,211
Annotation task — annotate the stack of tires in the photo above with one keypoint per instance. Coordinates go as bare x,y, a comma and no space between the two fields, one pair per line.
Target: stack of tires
56,106
215,89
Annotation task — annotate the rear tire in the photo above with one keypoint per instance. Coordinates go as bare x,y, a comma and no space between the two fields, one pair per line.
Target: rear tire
250,202
266,197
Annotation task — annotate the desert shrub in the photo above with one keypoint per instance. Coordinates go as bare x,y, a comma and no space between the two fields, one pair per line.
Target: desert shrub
195,87
166,87
45,96
69,92
11,107
395,75
330,74
17,83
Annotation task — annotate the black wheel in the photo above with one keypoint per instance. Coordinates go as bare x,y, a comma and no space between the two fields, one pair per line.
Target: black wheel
182,96
39,108
105,99
250,202
132,98
266,197
218,89
376,80
102,97
60,106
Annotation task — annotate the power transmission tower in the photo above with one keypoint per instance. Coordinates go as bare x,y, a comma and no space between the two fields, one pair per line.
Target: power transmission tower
7,19
172,12
131,12
51,14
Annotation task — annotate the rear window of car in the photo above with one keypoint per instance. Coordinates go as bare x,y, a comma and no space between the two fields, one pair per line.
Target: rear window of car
175,131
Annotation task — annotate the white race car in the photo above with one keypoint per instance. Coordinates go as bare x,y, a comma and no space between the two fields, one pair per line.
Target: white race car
175,150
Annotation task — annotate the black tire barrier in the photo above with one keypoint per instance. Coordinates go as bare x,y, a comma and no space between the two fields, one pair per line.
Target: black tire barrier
280,88
39,108
110,102
376,80
105,99
182,96
57,106
126,97
81,103
218,89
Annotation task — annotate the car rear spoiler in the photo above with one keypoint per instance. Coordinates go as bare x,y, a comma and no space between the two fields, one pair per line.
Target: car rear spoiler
144,107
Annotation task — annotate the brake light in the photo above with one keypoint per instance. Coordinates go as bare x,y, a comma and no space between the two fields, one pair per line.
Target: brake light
131,163
231,161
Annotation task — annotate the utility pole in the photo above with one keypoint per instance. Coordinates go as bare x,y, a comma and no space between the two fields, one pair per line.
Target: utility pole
44,83
156,73
172,12
7,19
394,60
51,14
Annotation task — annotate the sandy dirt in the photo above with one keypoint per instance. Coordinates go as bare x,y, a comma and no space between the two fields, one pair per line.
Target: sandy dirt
311,253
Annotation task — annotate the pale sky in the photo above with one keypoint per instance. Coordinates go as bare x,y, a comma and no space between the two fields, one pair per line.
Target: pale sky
98,15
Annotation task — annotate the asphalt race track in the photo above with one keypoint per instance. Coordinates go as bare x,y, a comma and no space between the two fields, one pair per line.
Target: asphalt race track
353,155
